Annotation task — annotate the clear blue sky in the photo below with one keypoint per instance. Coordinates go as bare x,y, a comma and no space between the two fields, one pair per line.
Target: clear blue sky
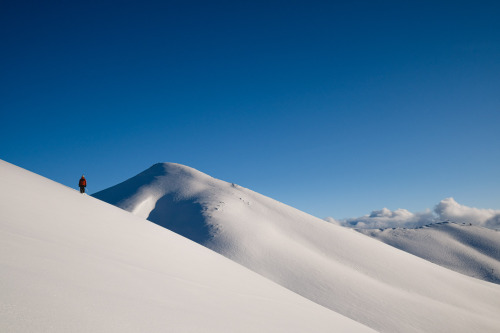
334,107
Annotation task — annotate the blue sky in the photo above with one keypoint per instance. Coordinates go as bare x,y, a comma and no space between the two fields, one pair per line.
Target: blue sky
336,108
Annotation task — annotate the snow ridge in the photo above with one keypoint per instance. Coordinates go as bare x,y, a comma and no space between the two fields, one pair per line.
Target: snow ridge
333,266
465,248
72,263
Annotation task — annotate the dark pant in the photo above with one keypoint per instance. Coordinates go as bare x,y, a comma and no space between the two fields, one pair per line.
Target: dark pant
82,189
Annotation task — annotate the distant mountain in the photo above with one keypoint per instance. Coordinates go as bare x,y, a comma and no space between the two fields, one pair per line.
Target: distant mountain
72,263
465,248
375,284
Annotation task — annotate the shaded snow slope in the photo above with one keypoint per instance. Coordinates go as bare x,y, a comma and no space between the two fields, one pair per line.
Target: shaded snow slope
72,263
348,272
468,249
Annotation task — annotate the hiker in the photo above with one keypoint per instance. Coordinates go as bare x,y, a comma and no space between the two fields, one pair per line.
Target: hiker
82,184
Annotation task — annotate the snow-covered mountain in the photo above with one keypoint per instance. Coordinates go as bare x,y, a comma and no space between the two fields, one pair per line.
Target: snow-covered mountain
72,263
465,248
355,275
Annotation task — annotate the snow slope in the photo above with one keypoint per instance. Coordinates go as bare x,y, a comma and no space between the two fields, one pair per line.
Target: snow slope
72,263
348,272
468,249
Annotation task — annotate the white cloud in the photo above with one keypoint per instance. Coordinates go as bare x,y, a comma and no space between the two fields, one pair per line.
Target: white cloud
386,218
447,209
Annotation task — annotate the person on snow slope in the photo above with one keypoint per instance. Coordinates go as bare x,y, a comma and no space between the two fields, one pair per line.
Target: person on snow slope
82,183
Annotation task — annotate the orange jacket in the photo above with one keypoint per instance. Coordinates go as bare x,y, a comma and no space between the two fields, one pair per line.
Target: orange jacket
83,182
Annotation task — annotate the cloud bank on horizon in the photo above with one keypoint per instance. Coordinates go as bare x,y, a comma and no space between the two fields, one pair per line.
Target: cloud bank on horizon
446,210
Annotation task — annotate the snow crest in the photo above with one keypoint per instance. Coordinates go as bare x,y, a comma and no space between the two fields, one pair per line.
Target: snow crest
465,248
333,266
72,263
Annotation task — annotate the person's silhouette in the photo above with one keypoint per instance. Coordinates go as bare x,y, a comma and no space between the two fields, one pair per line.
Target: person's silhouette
82,184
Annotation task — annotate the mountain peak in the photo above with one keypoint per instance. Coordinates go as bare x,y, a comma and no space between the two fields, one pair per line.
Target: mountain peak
169,168
71,263
297,250
141,193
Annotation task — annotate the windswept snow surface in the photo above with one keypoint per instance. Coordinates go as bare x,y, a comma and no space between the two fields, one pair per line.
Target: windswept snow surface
72,263
468,249
339,268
